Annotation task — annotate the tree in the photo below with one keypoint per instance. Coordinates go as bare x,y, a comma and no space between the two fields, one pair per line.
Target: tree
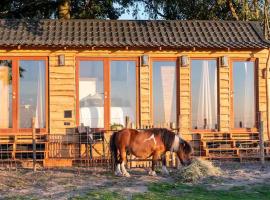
266,27
40,9
95,9
204,9
64,9
32,9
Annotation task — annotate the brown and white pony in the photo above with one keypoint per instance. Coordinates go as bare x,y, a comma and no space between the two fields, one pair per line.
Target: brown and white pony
144,144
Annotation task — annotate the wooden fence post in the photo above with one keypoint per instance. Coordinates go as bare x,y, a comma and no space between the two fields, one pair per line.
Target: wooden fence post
261,138
127,122
34,144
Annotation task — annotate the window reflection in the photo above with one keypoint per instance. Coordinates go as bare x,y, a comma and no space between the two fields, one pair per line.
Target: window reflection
164,92
91,94
6,94
32,93
123,91
243,94
204,94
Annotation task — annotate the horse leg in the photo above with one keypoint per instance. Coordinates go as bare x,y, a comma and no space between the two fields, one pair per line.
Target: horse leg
154,162
118,170
164,168
123,161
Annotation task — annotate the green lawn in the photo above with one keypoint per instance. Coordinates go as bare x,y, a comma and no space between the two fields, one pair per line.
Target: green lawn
164,191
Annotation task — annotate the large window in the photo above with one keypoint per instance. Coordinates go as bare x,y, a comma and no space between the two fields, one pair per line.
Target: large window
32,96
243,94
6,94
204,94
123,91
91,93
164,92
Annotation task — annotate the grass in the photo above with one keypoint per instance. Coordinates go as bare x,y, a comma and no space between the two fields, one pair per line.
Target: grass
199,192
100,194
178,191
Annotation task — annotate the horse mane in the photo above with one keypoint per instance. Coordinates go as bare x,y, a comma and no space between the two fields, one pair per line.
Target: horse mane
167,136
187,147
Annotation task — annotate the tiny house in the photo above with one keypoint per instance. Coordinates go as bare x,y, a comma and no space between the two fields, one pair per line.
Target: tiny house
206,79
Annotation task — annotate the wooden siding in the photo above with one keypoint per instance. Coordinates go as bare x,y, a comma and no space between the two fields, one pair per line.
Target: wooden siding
224,98
185,101
62,94
145,100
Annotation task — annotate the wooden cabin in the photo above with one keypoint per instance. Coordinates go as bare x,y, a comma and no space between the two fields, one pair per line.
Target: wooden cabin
206,79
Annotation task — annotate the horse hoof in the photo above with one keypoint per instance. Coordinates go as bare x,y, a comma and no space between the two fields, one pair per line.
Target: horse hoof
118,174
152,173
126,174
165,172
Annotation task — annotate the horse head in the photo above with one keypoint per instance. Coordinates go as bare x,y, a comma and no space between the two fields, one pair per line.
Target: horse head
184,152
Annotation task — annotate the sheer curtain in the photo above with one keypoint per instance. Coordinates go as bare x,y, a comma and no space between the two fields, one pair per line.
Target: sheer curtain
244,94
204,94
40,110
164,92
123,91
32,93
168,84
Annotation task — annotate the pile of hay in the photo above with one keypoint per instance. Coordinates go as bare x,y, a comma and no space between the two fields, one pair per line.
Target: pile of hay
198,170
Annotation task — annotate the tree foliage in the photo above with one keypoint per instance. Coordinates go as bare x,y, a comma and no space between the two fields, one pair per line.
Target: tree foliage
27,8
154,9
204,9
40,9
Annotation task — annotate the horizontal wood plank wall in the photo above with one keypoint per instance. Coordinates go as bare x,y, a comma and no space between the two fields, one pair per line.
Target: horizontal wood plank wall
185,101
224,99
62,93
262,90
145,103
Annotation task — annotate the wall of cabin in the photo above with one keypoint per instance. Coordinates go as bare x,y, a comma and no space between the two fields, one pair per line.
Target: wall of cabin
62,84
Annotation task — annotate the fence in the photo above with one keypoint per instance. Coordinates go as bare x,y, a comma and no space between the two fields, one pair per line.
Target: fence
35,150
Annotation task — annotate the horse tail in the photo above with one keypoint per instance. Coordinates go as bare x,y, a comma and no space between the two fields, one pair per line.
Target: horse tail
113,150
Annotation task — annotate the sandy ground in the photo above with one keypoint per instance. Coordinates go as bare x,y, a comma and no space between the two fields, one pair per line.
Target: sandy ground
67,183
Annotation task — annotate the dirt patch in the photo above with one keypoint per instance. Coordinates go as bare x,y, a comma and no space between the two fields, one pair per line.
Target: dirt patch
68,183
241,174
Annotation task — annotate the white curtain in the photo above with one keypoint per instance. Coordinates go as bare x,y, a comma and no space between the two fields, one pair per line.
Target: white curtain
40,115
123,92
207,99
168,84
244,96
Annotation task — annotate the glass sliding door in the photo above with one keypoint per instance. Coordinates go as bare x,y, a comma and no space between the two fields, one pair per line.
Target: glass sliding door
6,97
164,92
123,92
91,93
244,94
204,94
32,93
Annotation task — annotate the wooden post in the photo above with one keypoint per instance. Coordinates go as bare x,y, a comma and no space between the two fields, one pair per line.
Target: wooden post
34,144
261,138
127,122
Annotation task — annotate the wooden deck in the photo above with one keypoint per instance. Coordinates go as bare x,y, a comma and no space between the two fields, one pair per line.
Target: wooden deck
66,150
